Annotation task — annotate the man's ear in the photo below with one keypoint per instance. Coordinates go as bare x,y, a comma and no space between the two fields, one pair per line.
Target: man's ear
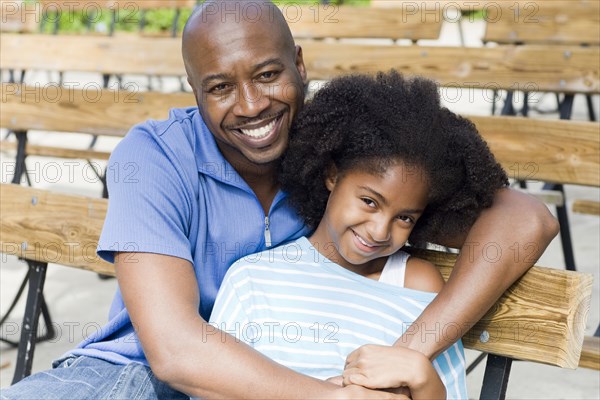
189,80
331,177
300,64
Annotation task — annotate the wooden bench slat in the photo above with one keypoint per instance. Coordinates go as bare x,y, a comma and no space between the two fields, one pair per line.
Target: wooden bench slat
530,68
540,318
51,227
125,5
544,150
111,113
135,54
550,22
333,21
586,207
590,353
59,152
560,69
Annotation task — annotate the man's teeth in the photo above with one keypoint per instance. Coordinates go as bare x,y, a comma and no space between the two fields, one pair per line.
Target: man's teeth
259,132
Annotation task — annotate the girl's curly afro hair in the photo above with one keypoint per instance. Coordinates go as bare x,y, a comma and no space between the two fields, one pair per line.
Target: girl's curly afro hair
368,123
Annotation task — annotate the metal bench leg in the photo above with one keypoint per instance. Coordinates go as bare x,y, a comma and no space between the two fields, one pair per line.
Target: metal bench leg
508,108
495,380
20,168
590,106
565,230
476,362
565,108
37,276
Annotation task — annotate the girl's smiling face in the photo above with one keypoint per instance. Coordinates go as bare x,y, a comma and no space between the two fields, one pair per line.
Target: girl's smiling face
370,215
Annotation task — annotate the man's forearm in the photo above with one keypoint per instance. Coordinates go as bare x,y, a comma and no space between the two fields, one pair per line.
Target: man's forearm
504,243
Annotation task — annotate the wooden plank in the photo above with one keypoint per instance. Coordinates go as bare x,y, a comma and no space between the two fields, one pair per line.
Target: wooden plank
532,68
442,5
552,22
59,152
590,354
586,207
127,6
51,227
544,150
95,111
323,21
540,318
127,54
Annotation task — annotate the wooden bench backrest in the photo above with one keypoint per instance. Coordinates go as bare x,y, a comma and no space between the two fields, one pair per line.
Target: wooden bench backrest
333,21
540,318
571,22
533,149
546,150
65,6
531,68
93,110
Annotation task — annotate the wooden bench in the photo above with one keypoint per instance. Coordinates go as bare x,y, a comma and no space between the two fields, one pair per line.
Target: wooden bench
541,318
537,68
561,22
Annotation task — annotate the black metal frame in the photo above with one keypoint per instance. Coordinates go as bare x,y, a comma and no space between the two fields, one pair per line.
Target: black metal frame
36,305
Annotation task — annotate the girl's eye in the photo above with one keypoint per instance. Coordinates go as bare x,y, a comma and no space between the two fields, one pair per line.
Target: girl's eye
406,218
368,202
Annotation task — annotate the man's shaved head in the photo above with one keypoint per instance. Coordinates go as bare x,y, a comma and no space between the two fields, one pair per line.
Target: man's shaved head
216,16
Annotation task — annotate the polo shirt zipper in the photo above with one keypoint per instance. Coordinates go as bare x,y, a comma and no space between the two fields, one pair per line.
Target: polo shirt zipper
267,232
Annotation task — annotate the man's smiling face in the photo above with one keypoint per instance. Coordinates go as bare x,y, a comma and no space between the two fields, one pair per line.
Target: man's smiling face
248,79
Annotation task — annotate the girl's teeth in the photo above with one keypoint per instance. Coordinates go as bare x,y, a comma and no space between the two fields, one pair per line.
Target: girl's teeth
259,132
362,241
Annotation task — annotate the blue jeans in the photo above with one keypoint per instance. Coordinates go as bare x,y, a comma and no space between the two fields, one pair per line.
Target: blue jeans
91,378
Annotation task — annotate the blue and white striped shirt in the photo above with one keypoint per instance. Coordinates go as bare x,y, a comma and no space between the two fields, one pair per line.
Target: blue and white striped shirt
308,313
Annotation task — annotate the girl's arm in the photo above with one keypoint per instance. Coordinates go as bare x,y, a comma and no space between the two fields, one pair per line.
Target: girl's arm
394,367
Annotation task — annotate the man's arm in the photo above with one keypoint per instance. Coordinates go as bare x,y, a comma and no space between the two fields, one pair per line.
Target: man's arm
505,241
162,298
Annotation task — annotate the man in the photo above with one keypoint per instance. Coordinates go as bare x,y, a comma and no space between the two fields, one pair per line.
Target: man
191,194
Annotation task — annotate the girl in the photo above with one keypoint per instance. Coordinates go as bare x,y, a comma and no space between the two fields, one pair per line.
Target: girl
373,163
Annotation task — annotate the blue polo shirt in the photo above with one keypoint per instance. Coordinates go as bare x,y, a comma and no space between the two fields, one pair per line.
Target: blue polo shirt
173,193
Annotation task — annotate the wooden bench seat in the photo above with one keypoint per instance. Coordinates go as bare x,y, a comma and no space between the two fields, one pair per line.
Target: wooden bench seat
541,318
586,207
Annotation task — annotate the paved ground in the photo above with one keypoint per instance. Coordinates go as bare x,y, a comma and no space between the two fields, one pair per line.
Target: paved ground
79,301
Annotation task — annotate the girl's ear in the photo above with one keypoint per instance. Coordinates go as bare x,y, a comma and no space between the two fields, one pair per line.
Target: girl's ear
331,177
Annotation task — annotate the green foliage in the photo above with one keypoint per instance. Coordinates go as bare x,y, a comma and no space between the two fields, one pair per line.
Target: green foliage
95,19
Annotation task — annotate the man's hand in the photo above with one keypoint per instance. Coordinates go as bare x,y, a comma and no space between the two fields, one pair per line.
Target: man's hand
359,392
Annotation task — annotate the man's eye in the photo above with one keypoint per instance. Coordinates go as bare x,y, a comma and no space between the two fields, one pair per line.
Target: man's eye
221,87
268,75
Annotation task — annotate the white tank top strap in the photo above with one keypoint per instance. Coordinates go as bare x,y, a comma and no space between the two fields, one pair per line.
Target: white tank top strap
394,269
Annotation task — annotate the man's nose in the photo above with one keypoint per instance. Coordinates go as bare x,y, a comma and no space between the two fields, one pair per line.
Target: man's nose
251,102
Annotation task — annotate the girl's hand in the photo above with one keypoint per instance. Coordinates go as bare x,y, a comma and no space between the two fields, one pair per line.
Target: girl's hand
384,367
